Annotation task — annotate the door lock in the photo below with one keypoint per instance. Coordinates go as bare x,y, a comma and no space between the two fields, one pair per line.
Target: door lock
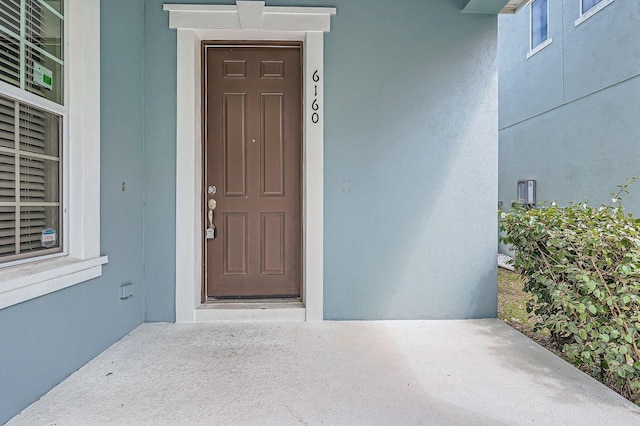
211,230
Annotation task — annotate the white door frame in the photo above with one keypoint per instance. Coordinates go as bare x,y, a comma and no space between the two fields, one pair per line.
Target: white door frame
246,21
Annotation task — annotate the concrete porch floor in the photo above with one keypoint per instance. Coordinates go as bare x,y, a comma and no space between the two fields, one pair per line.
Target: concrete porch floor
479,372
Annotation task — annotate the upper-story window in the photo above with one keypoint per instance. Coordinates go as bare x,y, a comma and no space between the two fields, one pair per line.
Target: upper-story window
539,36
32,116
588,5
539,22
588,8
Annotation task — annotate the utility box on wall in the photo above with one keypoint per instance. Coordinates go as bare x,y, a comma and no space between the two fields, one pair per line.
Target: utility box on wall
526,192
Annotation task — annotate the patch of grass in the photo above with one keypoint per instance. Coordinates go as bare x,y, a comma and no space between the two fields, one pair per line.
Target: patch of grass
513,300
512,305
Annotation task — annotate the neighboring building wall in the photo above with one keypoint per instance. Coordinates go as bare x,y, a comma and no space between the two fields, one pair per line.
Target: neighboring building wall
410,160
570,114
44,340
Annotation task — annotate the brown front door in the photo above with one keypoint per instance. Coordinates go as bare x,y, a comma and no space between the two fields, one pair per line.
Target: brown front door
253,149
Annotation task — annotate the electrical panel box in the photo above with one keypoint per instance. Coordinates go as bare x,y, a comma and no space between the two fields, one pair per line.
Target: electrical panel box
527,192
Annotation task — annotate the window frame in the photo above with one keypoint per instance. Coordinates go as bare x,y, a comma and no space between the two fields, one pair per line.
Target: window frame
26,98
535,49
23,95
80,259
589,13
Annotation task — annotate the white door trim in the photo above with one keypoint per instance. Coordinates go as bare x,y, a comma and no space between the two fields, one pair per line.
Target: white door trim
246,21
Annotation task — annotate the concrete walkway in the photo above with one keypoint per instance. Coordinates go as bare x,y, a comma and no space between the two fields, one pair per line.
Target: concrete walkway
332,373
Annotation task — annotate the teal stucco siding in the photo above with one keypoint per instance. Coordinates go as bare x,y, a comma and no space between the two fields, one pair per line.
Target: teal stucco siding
410,161
569,114
44,340
410,178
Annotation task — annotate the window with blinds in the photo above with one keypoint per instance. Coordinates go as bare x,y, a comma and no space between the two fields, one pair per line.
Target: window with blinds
29,180
31,41
31,59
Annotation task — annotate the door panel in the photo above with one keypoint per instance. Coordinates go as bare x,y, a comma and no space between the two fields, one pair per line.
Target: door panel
272,152
273,243
235,158
253,154
234,240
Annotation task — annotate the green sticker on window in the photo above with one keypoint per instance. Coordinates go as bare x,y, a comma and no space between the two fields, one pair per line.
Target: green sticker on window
42,76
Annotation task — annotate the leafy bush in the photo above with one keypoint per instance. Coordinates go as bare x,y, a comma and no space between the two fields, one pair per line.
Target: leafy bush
582,266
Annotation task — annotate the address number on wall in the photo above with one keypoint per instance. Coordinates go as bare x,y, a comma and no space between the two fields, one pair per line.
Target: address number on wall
315,116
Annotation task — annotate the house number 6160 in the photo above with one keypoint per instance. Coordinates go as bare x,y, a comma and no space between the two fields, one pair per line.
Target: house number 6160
315,117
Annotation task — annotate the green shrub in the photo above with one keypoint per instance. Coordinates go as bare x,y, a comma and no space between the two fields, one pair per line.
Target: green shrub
582,266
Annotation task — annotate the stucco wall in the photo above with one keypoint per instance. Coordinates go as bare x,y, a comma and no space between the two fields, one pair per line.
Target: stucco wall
410,161
569,115
410,178
44,340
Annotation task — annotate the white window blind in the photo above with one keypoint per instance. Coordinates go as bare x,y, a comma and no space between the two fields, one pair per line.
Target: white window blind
31,41
10,47
29,179
31,59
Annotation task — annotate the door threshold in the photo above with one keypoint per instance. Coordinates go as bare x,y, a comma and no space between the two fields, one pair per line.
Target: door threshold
248,301
254,310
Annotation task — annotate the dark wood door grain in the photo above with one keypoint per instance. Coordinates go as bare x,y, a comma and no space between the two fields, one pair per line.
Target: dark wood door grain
253,152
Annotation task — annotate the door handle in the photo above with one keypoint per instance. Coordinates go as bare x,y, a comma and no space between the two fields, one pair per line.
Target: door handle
212,207
211,230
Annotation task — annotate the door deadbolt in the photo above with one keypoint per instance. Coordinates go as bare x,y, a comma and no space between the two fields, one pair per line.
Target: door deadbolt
212,189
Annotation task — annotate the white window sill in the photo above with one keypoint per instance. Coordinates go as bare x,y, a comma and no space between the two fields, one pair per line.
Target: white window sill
27,281
539,48
595,9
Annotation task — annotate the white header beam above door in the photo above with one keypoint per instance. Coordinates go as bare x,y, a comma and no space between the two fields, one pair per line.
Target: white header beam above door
249,15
